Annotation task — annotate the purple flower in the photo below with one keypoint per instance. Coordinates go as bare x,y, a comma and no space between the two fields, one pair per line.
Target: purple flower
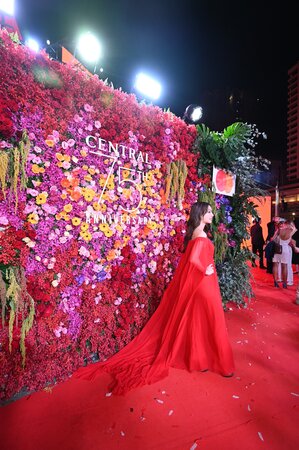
101,276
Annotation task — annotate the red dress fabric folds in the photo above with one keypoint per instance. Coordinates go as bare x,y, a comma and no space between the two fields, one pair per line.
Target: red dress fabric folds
187,331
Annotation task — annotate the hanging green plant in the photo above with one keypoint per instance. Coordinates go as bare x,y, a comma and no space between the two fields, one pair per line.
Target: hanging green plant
232,151
12,168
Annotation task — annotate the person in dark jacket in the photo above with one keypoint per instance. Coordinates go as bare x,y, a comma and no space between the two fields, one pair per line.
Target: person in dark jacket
257,242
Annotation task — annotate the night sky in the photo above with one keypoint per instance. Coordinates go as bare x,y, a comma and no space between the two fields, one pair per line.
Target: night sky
192,47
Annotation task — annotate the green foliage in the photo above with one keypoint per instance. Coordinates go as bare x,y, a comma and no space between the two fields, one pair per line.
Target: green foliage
233,151
234,278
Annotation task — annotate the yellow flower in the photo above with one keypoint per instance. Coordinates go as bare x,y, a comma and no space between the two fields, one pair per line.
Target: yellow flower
125,173
76,221
84,226
110,185
36,169
63,196
151,225
96,206
142,204
89,194
41,198
172,233
91,171
32,218
83,153
88,178
85,167
87,236
106,196
104,227
103,207
108,233
126,238
67,208
58,216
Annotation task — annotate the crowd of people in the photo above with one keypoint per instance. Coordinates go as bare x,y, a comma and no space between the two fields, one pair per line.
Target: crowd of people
280,248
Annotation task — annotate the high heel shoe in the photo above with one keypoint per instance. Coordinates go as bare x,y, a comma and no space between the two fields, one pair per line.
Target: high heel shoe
284,285
276,284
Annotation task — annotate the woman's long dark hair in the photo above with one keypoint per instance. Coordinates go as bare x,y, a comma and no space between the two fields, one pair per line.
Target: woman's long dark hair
198,210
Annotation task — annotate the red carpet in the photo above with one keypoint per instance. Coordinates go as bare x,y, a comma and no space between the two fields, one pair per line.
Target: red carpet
256,409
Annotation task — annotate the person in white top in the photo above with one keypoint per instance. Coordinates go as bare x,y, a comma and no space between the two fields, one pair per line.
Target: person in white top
283,236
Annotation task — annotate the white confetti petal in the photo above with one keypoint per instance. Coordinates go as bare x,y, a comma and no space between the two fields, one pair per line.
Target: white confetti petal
163,392
260,436
159,401
108,394
294,393
194,446
236,396
170,412
249,408
122,433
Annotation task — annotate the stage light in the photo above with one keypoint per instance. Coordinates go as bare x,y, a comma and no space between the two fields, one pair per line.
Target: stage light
89,47
7,6
32,44
148,86
193,113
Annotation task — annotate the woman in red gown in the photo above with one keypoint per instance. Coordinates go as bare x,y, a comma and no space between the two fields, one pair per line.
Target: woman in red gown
187,331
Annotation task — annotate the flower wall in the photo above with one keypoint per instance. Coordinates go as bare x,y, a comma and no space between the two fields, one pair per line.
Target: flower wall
94,193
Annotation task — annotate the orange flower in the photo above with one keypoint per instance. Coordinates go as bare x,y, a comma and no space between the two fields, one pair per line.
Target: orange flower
65,182
110,255
75,194
50,142
117,244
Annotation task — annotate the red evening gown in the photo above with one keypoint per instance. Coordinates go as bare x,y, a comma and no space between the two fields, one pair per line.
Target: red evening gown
187,331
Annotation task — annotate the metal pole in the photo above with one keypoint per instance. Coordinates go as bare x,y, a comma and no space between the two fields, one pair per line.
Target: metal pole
276,200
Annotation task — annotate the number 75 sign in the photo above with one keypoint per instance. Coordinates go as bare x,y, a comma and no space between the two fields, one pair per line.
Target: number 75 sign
123,181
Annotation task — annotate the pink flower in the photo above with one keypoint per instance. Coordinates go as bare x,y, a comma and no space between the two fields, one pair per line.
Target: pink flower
84,252
71,142
87,107
97,124
4,144
32,192
3,221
